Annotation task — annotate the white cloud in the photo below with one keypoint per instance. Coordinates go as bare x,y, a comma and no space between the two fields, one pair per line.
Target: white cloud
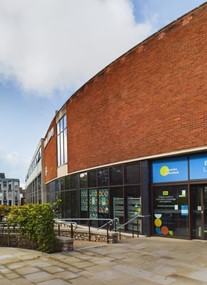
49,45
162,12
13,165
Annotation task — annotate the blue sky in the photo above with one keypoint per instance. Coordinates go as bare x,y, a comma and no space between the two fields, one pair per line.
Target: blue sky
49,48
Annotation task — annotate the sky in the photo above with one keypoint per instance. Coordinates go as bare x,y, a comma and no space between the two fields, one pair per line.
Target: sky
50,48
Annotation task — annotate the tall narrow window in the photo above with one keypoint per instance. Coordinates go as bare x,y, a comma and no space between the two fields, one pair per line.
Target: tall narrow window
62,141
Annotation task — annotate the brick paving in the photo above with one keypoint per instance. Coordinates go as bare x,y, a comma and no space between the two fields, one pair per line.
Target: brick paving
131,261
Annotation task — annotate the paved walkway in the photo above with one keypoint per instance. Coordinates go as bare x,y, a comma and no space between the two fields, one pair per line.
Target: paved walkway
132,261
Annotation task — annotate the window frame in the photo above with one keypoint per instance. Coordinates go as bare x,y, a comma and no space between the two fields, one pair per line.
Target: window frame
62,153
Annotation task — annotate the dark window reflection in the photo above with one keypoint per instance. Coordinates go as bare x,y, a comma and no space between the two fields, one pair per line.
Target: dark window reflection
73,181
103,177
132,174
116,175
83,180
68,205
67,182
92,178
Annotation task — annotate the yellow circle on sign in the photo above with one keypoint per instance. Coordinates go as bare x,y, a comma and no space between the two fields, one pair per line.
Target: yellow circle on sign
158,223
164,170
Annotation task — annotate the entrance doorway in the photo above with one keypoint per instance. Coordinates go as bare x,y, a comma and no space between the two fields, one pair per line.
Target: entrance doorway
199,211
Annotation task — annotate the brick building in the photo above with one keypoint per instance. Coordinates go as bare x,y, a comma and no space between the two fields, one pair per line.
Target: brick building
133,138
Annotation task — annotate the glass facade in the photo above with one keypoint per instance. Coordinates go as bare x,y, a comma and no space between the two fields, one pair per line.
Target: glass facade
179,196
171,210
116,175
34,191
102,193
171,191
65,189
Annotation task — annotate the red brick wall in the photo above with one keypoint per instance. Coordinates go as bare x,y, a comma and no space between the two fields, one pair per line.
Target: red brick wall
50,154
152,100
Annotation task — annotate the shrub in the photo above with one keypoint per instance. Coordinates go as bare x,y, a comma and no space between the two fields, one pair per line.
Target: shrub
4,209
36,223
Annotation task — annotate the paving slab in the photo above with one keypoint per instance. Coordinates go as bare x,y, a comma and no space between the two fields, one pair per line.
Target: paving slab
145,261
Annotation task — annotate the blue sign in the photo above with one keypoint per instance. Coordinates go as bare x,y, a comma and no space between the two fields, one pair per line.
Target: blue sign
184,210
198,166
170,170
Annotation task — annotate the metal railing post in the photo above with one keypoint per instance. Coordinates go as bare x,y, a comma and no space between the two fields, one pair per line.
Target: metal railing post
137,227
149,227
71,230
119,234
110,225
8,233
89,230
107,233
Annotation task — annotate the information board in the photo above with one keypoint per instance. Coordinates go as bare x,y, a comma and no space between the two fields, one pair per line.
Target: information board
170,170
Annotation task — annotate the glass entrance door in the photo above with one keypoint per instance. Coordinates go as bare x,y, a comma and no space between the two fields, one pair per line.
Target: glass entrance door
199,211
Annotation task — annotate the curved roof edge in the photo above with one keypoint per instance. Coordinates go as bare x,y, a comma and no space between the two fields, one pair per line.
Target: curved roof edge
165,28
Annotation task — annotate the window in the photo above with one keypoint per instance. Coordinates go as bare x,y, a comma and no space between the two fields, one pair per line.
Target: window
73,181
132,174
92,178
103,177
4,195
83,180
62,140
171,214
33,164
116,175
16,184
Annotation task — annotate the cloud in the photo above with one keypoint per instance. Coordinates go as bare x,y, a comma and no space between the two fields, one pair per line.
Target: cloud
162,12
13,165
54,45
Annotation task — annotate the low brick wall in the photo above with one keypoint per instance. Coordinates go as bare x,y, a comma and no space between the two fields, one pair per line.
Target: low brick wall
15,240
83,234
65,244
64,240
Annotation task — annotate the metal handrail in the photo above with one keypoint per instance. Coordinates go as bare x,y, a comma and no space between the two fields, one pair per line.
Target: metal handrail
84,219
113,221
135,217
61,221
70,221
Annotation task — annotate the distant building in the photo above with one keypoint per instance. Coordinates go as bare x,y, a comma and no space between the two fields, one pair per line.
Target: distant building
9,191
22,195
34,182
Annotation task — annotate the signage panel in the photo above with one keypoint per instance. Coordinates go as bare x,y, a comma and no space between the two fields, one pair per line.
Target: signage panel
170,170
198,166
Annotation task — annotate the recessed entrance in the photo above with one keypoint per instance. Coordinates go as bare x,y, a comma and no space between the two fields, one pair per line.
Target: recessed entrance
199,211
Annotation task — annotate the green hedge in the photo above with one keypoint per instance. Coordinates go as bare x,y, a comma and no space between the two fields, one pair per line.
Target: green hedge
36,223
